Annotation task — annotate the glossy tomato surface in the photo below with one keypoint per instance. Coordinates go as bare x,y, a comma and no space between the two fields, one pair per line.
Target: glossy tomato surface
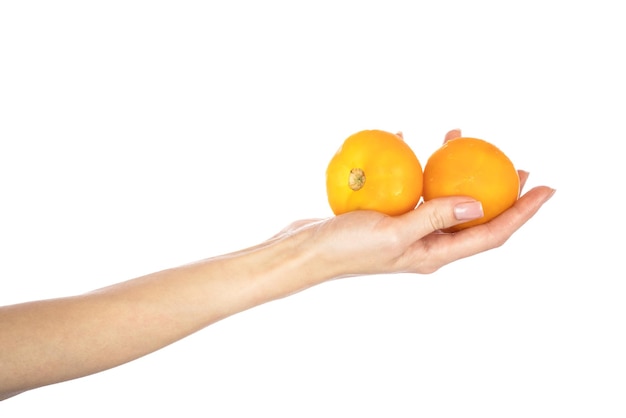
476,168
374,170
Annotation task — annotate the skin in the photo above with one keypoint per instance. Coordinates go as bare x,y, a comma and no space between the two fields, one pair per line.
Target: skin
50,341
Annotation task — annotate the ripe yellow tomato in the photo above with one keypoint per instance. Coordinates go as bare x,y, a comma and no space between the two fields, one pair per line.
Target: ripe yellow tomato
374,170
476,168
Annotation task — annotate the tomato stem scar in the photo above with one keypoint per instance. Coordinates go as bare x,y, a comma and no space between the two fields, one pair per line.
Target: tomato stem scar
356,180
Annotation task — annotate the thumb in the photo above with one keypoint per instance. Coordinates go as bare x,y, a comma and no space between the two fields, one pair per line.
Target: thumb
442,213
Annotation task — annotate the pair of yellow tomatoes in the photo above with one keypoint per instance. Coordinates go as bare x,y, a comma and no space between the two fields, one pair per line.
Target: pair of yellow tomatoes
377,170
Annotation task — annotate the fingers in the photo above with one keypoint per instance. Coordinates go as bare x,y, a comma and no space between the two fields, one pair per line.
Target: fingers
523,176
474,240
443,213
499,229
438,214
453,134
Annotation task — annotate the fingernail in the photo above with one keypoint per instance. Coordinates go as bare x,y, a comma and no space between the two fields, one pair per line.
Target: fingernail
468,210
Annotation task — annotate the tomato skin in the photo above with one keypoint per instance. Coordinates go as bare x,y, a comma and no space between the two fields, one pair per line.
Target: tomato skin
476,168
392,181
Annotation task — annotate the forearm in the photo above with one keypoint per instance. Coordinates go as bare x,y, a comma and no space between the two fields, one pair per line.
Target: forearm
50,341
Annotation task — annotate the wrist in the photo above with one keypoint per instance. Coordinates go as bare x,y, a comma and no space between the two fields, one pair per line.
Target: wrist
277,268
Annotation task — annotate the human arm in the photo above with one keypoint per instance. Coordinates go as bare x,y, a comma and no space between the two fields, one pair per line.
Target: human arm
49,341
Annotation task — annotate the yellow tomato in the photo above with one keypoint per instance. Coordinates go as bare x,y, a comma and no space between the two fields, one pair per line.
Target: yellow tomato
476,168
374,170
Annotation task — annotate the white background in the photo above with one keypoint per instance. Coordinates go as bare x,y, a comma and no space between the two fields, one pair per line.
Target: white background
139,135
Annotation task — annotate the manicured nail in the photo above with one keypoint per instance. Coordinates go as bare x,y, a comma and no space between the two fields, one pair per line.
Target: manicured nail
468,211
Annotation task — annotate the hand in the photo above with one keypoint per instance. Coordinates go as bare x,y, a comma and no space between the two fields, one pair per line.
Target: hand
45,342
368,242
